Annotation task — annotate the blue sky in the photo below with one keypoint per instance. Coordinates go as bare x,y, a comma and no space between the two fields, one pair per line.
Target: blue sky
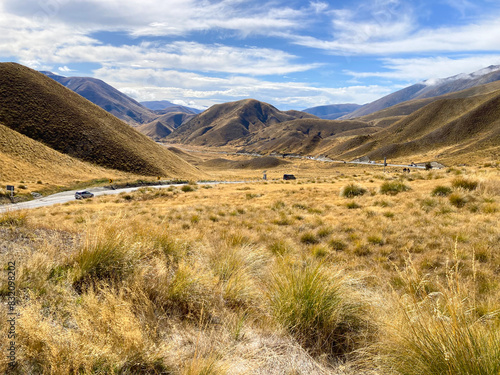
292,54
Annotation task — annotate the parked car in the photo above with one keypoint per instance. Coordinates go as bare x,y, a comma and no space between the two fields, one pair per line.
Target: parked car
288,177
83,194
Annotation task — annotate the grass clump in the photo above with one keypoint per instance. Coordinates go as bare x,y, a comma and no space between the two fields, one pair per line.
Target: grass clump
441,191
442,337
458,200
105,256
352,205
188,188
393,187
464,183
13,219
309,238
317,307
352,190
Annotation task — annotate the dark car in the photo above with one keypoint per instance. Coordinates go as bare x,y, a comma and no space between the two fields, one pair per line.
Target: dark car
83,194
288,177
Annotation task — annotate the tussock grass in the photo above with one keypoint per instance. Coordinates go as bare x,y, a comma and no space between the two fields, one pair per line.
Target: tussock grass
244,294
441,191
465,183
317,307
393,187
458,200
352,190
441,335
107,255
13,218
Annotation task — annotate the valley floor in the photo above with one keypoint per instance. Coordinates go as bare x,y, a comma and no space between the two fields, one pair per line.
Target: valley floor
346,270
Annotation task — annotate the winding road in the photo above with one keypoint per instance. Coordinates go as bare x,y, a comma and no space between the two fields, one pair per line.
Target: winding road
67,196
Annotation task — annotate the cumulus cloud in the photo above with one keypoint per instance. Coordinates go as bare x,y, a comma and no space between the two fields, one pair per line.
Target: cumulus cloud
161,17
157,84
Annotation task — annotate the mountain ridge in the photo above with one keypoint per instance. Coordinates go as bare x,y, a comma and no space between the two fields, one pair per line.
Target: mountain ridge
429,89
42,109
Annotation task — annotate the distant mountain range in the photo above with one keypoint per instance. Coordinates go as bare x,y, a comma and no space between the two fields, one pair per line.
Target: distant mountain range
155,122
427,89
165,105
332,112
461,124
441,119
430,89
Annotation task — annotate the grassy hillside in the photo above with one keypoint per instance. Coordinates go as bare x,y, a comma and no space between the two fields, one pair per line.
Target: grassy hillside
303,136
36,165
255,163
108,98
43,110
450,127
392,114
430,89
225,123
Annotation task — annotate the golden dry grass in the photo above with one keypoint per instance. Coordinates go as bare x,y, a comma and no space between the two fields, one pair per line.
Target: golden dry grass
216,280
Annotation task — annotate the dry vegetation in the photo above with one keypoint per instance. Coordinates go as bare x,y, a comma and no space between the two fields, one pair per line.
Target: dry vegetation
356,272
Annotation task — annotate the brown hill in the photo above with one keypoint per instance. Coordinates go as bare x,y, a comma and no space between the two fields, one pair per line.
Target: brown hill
255,163
430,89
392,114
155,130
304,136
164,124
229,123
190,158
108,98
446,128
22,158
40,108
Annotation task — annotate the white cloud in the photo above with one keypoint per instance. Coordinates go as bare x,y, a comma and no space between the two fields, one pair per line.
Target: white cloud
482,36
161,17
65,69
157,84
419,69
63,44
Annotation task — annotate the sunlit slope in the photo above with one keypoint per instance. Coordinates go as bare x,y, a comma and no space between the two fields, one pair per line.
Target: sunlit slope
443,128
43,110
230,123
22,158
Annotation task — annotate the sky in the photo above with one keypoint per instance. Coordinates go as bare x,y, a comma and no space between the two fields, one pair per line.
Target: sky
293,54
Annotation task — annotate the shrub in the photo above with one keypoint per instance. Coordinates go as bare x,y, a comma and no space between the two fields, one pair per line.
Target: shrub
352,190
441,191
317,307
187,188
393,187
464,183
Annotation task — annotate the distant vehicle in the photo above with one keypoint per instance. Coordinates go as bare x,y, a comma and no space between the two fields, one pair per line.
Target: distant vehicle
289,177
83,194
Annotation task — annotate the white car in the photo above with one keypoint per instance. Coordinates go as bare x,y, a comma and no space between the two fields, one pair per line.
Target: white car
83,194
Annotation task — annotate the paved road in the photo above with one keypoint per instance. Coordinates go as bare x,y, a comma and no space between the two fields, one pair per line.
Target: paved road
293,156
67,196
